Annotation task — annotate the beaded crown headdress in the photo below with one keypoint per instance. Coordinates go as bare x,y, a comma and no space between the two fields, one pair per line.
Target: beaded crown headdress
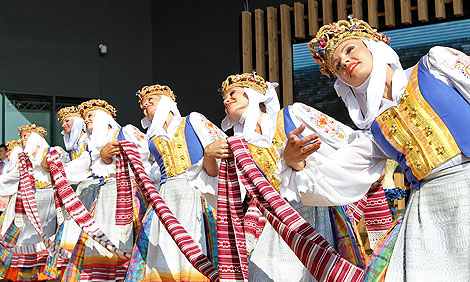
156,89
32,128
330,36
96,104
66,112
13,143
251,80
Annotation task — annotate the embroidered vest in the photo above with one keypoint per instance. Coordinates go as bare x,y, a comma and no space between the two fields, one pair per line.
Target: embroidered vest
74,156
427,128
266,158
177,155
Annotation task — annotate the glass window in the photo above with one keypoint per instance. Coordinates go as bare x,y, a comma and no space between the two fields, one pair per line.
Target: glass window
22,109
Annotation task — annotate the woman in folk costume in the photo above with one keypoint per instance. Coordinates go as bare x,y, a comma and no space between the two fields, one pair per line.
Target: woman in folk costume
9,180
253,110
90,260
419,117
74,131
16,227
185,150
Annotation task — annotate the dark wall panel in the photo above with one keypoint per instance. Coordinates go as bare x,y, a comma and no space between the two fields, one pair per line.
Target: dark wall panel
195,46
51,47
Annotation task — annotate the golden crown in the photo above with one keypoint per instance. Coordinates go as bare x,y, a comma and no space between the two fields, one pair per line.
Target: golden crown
32,128
156,89
96,104
324,44
13,143
66,112
251,80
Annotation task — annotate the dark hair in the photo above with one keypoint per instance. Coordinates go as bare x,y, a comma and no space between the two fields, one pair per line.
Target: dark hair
4,147
262,107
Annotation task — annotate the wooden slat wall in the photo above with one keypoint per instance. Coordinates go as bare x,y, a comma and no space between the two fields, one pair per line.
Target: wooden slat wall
286,59
246,42
273,49
273,29
260,44
312,17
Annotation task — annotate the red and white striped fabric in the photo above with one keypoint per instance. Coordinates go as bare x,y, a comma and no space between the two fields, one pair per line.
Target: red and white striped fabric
69,200
374,207
124,207
322,260
183,240
29,206
231,243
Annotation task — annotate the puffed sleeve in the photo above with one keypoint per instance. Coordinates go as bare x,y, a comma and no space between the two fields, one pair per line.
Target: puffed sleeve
9,182
450,66
78,169
207,133
340,172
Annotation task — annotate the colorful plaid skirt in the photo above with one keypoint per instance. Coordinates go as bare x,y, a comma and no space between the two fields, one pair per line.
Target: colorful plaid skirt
90,261
28,267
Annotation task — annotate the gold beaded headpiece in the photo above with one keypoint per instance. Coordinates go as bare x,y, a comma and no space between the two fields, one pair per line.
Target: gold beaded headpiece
66,112
13,143
324,44
32,128
96,104
156,89
251,80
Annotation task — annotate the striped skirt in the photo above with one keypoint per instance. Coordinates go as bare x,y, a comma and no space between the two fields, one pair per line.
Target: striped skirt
273,260
156,257
90,261
434,240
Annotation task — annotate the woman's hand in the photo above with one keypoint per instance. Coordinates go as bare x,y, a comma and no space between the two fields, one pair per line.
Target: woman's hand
297,149
45,165
219,149
109,150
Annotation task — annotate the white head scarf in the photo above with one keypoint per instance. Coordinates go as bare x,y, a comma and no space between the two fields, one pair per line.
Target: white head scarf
12,162
249,119
370,93
99,137
164,107
35,140
71,140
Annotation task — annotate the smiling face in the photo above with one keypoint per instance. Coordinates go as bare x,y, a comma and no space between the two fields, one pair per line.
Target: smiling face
89,118
150,105
67,124
352,61
236,102
25,137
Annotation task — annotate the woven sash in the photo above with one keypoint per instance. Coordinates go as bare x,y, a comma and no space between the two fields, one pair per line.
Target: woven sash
183,240
69,200
374,207
323,262
26,186
124,207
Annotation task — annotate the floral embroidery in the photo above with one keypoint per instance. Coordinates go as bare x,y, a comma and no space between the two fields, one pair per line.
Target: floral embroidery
324,123
213,130
463,65
138,134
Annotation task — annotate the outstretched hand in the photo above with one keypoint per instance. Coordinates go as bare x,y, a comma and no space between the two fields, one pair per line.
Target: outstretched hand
109,150
298,149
